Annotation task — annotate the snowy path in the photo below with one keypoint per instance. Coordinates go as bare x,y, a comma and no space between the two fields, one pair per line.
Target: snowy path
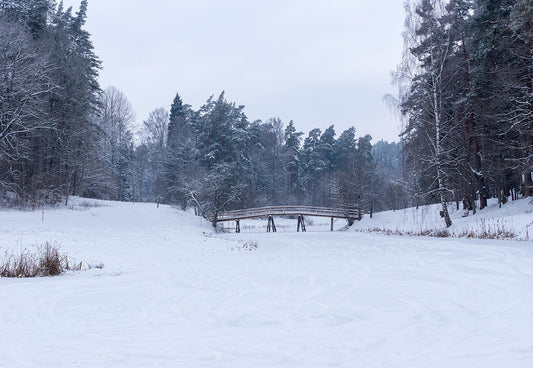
170,296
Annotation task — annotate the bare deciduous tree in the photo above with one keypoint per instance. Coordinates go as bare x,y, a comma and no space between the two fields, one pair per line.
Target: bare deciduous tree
25,84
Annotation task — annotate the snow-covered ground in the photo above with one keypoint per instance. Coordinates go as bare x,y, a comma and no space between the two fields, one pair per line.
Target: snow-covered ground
514,220
174,294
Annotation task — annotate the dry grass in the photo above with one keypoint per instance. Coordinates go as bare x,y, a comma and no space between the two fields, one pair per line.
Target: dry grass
46,260
249,245
435,233
245,246
484,229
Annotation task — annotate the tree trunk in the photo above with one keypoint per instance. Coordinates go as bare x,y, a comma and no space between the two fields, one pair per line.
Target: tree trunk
528,184
471,136
438,155
446,216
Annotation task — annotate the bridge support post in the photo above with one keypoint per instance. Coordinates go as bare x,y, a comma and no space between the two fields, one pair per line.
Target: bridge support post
215,220
237,226
301,224
271,225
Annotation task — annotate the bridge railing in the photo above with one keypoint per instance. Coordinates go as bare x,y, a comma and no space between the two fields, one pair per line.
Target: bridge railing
287,211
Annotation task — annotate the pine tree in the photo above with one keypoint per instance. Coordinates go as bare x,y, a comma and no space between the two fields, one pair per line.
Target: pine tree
313,165
326,148
345,185
222,141
77,101
293,160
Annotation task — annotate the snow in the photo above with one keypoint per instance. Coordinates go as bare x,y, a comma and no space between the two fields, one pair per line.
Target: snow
514,217
173,293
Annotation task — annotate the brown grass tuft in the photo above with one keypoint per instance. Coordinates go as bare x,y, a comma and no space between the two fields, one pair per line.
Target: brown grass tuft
46,261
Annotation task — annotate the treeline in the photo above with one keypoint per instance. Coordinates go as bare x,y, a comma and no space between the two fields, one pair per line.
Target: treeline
466,91
48,99
61,135
214,158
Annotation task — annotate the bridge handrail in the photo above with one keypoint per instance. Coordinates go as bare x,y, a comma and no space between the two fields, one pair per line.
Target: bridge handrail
288,211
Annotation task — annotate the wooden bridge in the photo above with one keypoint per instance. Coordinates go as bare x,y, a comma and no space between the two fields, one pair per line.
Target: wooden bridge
349,214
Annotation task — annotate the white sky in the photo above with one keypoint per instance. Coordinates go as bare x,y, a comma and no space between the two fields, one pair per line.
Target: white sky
317,62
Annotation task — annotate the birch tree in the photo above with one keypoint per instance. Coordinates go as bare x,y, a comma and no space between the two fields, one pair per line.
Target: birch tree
428,128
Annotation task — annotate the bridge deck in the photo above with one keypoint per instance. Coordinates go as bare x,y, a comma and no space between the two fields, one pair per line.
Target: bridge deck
252,213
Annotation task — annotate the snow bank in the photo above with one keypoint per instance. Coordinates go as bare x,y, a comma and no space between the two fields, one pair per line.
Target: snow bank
514,220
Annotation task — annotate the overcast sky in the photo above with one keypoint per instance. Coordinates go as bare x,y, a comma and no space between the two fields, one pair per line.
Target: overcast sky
312,61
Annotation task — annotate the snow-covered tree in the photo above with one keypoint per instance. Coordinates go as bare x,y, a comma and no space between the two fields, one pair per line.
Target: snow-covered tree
26,75
115,121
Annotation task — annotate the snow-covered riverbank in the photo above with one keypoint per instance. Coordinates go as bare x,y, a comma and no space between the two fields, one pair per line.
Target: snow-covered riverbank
514,220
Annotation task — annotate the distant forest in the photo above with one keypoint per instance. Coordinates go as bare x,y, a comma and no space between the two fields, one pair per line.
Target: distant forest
465,91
